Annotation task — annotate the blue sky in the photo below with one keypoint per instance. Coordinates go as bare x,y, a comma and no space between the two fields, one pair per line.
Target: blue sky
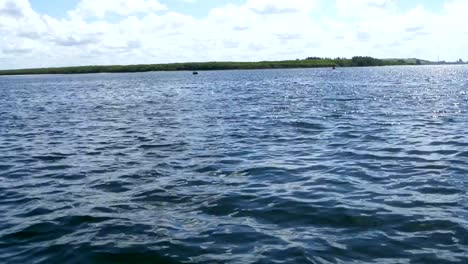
43,33
198,8
54,8
201,8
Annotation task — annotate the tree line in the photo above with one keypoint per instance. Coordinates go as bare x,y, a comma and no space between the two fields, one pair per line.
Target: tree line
311,62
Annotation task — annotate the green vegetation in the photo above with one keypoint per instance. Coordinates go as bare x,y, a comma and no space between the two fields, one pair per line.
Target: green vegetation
311,62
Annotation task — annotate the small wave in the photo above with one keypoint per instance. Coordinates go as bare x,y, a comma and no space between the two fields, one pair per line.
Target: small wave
4,167
113,186
50,158
344,99
439,190
55,167
173,146
36,212
463,154
307,125
37,232
159,196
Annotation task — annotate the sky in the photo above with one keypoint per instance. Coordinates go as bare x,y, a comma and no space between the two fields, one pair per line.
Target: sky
51,33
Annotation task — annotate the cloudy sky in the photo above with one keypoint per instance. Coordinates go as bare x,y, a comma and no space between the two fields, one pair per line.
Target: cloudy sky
45,33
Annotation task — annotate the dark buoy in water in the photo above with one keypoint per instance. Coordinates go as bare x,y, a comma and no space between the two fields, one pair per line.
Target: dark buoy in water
333,67
195,73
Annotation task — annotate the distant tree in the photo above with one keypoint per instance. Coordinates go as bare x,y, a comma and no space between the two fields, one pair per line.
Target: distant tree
313,58
418,62
366,61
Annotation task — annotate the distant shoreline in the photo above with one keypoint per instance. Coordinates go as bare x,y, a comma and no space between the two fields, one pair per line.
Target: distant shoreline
312,62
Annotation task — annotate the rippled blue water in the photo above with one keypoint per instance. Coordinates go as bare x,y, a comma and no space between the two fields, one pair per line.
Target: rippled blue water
365,165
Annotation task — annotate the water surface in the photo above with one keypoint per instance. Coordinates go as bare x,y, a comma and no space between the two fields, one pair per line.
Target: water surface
363,165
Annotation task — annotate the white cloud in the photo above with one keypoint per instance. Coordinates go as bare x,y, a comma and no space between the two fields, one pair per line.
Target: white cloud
146,31
367,8
101,8
268,7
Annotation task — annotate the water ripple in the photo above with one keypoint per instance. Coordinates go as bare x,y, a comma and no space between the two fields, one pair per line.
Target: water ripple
278,166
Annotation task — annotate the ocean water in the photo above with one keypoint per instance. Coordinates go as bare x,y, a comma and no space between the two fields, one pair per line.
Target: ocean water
355,165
